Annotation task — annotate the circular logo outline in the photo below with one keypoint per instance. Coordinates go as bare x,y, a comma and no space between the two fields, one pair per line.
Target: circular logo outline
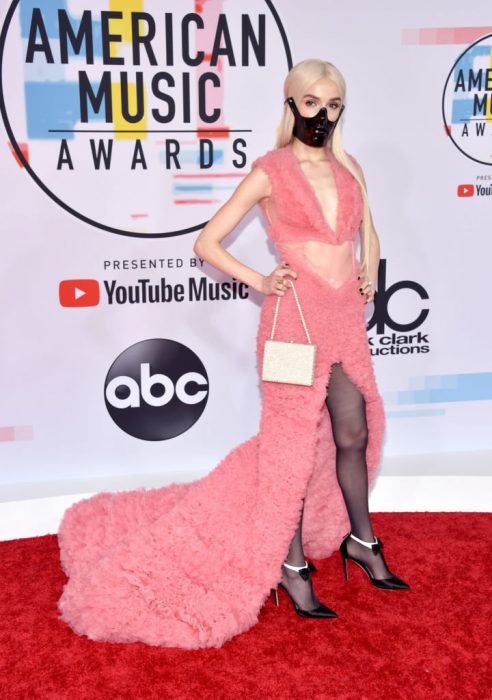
448,131
78,215
132,347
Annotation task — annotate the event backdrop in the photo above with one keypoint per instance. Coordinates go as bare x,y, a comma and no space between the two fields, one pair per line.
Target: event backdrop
126,125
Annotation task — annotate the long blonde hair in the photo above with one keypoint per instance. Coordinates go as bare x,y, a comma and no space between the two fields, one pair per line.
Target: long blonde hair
296,85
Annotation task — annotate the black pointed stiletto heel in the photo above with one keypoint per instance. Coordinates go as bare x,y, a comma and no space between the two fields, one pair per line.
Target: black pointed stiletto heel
392,582
320,612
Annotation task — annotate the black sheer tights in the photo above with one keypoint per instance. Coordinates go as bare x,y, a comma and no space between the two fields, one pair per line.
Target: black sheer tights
347,410
346,406
300,589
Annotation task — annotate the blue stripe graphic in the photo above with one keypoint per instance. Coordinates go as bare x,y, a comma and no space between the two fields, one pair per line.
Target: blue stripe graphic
201,188
416,413
193,157
444,388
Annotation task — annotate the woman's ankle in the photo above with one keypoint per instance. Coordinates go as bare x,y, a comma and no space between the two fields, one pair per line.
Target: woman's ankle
295,563
367,536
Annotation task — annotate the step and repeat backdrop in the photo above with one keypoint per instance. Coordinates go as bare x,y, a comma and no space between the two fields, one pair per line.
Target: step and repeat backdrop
125,126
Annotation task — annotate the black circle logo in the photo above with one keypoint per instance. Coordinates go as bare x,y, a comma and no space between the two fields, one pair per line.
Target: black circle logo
137,122
467,101
156,389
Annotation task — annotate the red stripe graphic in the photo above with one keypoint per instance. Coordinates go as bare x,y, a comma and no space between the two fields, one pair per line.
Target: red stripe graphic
443,35
196,201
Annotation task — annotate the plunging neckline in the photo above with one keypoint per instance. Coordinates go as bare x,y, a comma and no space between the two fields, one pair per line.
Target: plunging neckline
312,191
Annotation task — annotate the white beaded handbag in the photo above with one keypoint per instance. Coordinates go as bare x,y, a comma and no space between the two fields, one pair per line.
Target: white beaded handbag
288,362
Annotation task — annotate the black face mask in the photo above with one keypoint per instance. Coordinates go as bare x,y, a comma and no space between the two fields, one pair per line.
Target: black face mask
313,131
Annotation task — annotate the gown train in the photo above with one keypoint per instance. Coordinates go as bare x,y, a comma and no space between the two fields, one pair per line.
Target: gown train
190,565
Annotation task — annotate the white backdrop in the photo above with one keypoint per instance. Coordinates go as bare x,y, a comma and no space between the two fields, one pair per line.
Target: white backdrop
430,197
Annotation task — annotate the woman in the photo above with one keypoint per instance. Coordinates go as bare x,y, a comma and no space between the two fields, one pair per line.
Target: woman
319,245
190,565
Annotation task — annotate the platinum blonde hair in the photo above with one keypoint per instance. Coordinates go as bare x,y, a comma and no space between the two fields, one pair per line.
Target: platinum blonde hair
296,85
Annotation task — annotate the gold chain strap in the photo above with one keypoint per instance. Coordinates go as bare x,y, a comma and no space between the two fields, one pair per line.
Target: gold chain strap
275,316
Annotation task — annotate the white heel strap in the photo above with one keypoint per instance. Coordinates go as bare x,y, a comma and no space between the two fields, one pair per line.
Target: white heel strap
366,544
295,568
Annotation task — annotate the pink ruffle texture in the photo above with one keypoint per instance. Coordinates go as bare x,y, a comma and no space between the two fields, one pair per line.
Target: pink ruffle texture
190,565
299,214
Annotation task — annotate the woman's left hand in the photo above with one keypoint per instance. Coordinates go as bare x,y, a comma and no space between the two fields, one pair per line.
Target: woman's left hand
366,289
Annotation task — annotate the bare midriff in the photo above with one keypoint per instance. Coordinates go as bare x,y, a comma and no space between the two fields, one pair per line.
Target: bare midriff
335,263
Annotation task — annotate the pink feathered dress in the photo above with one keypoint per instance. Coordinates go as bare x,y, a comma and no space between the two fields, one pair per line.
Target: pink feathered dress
190,565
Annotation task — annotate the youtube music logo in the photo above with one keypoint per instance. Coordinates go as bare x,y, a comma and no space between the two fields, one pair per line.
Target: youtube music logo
466,190
79,293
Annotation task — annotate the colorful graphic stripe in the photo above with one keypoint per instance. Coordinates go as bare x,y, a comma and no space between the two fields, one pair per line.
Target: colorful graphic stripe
204,187
201,183
197,201
207,175
444,388
11,433
418,412
443,35
192,157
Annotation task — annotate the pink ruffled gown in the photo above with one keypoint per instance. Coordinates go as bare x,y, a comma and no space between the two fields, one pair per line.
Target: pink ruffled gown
190,565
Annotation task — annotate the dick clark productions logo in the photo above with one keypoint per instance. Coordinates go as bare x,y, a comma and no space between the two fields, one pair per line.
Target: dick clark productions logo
156,389
122,116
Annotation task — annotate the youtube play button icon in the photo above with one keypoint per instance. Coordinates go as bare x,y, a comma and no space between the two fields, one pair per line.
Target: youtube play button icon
79,293
466,190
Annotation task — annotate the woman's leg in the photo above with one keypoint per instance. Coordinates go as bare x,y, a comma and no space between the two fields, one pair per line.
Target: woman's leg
347,410
300,589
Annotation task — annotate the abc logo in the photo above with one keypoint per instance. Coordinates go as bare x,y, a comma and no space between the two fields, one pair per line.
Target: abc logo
381,317
156,389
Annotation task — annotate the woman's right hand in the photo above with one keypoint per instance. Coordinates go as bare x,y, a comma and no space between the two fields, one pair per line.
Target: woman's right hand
278,281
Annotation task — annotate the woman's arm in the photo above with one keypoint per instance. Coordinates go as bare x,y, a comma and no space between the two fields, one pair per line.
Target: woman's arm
255,187
374,253
368,283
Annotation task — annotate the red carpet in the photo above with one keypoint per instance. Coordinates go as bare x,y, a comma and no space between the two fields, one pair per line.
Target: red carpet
431,642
